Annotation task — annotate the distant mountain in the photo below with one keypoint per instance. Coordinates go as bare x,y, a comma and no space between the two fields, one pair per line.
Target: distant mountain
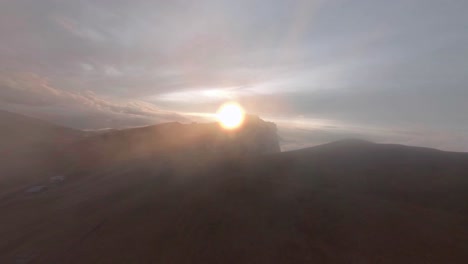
175,139
349,201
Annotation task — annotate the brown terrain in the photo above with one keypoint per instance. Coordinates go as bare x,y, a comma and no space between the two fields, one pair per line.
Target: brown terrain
176,193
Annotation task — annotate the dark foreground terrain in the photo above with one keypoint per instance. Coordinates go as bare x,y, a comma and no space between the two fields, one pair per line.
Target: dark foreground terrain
345,202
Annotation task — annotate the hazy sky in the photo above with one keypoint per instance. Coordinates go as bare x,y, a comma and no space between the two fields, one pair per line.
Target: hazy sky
389,71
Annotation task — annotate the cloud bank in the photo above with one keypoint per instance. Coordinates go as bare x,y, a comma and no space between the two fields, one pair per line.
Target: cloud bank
28,92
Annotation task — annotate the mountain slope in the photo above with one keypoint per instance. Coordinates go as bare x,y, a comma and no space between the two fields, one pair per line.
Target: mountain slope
344,202
20,131
400,172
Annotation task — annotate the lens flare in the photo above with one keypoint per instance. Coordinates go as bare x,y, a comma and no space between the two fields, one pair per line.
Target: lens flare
230,115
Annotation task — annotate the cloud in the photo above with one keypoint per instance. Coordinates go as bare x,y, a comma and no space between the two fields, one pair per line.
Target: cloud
33,93
302,133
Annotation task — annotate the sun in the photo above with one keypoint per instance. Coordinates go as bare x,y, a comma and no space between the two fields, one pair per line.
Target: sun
230,115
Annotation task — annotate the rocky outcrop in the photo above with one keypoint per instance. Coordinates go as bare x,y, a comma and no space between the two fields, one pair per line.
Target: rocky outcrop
255,137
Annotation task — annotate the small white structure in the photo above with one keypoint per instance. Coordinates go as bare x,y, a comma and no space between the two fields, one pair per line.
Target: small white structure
36,189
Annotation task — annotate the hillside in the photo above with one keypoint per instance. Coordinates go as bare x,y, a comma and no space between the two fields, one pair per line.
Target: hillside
344,202
30,148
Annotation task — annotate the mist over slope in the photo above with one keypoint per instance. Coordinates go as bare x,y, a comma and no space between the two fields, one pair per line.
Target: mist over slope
169,194
34,149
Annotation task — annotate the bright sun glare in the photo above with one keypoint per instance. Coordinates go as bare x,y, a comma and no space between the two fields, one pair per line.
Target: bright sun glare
230,115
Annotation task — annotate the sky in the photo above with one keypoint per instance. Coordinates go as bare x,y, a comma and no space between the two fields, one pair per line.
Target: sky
387,71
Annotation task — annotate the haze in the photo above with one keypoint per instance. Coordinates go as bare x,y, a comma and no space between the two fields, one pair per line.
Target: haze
387,71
